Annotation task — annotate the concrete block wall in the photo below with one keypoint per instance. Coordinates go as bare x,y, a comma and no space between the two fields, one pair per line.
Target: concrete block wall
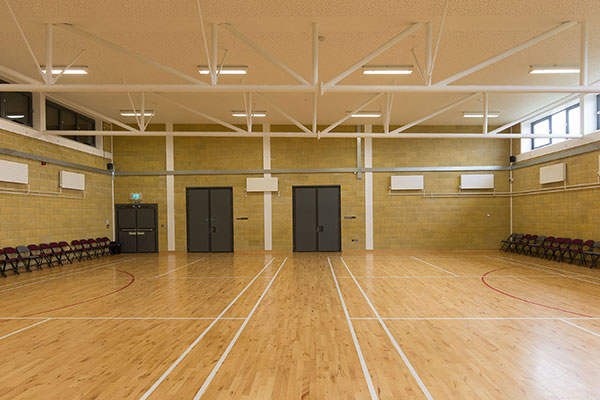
574,214
27,219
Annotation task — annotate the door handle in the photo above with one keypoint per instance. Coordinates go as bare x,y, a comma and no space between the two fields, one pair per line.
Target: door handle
213,228
132,233
319,228
141,233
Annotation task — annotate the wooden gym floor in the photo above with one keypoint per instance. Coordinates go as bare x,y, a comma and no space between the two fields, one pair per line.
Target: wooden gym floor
442,325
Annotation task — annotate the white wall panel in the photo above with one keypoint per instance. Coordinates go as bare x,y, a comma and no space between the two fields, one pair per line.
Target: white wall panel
553,173
477,181
14,172
72,180
407,182
262,184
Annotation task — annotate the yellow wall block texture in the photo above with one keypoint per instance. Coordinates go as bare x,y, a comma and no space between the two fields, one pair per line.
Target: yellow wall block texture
217,153
135,154
415,222
28,219
294,153
574,214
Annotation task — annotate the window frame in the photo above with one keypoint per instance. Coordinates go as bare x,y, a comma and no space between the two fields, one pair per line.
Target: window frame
549,118
78,117
28,117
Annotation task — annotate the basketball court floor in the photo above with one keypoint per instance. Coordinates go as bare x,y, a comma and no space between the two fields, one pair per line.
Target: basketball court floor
352,325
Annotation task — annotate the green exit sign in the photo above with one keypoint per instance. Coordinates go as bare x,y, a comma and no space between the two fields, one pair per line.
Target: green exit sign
135,196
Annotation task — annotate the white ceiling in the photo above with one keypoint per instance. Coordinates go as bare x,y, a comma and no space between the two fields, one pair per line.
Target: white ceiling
169,32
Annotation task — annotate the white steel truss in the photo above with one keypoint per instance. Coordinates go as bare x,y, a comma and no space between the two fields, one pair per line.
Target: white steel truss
316,87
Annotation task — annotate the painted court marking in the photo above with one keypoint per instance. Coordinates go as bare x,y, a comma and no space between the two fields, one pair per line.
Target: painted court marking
24,329
523,299
580,327
235,338
391,337
122,318
363,364
540,267
434,266
62,276
199,338
477,318
183,266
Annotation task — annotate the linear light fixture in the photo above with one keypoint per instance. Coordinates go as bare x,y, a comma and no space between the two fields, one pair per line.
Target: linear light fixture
131,113
225,70
15,116
243,114
479,114
553,69
365,114
74,70
387,69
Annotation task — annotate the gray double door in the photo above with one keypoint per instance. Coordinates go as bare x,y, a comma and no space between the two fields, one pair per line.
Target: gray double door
317,224
136,227
209,219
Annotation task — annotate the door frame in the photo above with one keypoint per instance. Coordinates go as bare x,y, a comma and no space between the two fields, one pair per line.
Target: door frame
155,207
339,187
187,219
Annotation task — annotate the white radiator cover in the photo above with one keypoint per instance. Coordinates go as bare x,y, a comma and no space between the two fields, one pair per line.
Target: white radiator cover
262,184
14,172
477,181
407,182
72,180
553,173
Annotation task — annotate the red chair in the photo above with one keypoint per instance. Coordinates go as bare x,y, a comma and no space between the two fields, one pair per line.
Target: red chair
563,248
95,247
35,250
11,258
87,248
574,249
548,246
47,254
77,249
67,251
526,248
57,252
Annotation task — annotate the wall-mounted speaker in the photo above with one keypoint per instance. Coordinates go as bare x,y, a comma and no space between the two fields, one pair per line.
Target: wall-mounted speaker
513,158
110,166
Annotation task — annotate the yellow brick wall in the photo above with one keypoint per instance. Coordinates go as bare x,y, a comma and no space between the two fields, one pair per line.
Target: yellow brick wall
143,154
574,214
28,219
288,153
415,222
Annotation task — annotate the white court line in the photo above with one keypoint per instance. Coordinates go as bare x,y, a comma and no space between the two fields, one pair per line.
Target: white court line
70,271
547,267
215,277
545,270
475,318
235,338
123,318
24,329
63,276
199,338
442,276
580,327
391,337
363,364
183,266
435,266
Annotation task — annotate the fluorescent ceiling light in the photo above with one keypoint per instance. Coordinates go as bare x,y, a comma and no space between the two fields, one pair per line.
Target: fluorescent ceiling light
553,69
387,69
15,116
479,114
365,114
225,70
243,114
131,113
75,70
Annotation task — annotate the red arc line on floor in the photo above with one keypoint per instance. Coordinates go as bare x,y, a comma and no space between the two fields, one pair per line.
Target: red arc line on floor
92,299
525,300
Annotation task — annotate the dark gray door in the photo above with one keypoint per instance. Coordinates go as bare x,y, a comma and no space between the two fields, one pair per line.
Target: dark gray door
136,227
210,219
328,218
198,217
305,218
146,229
126,228
221,219
317,218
